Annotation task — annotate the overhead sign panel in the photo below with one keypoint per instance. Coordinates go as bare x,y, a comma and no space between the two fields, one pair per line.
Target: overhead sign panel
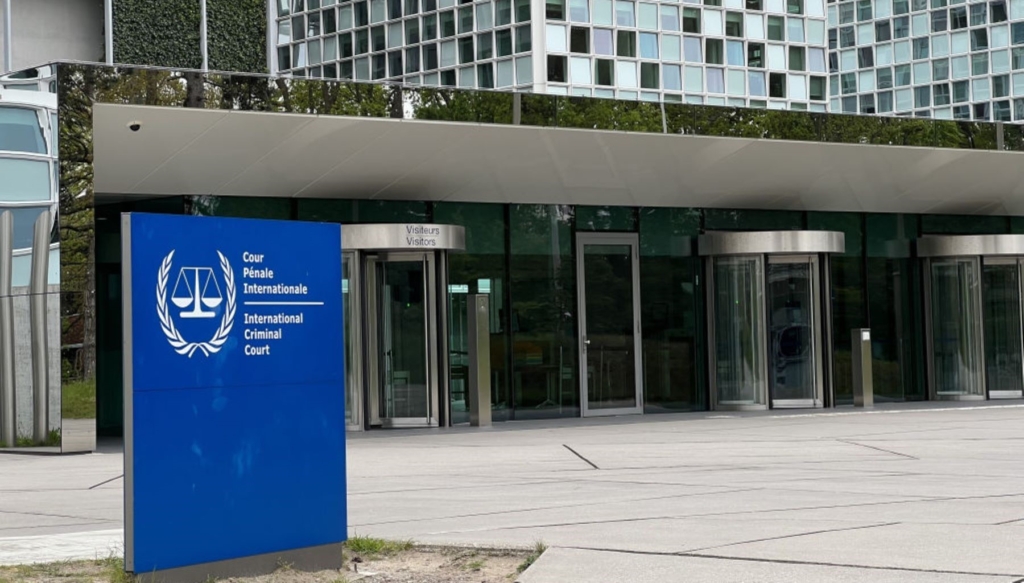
234,395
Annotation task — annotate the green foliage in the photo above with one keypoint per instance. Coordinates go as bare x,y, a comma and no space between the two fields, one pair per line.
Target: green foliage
78,400
159,33
237,35
370,547
165,33
538,550
469,106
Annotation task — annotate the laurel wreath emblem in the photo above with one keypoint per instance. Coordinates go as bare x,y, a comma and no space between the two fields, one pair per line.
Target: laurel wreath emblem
180,345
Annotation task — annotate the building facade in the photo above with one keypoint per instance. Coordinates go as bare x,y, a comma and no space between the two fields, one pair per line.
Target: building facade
947,60
643,248
924,58
630,267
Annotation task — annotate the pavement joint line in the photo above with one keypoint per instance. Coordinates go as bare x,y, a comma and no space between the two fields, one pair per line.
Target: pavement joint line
467,487
560,506
1005,522
4,537
787,536
106,482
49,515
577,454
881,449
736,513
795,562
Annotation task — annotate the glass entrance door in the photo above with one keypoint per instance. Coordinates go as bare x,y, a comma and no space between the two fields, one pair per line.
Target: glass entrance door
1001,305
794,331
737,332
954,329
609,323
401,323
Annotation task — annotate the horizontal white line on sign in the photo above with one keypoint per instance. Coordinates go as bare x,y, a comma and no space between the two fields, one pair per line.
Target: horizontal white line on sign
282,303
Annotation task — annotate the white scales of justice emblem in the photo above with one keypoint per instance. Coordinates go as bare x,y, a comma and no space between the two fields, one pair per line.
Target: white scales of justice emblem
196,288
193,288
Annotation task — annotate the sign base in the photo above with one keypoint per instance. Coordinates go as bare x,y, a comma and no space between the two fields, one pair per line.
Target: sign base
311,559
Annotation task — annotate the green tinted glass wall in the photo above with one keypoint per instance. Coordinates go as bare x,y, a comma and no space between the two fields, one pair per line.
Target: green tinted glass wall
670,309
543,322
363,211
752,220
959,225
481,269
243,207
847,294
606,218
895,307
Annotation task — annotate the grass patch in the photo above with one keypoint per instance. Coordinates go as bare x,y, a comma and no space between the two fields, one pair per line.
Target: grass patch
78,400
476,565
538,550
377,547
113,570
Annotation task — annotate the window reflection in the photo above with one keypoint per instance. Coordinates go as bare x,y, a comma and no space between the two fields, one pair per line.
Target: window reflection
24,180
542,322
24,224
21,130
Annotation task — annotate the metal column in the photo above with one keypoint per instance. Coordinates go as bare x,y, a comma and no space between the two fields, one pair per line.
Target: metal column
108,26
204,49
8,40
37,313
478,387
8,400
860,357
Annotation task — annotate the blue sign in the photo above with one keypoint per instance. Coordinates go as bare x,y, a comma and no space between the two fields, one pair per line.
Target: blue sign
234,389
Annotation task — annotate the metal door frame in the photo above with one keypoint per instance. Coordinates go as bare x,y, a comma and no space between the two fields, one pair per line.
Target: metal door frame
374,297
762,388
632,240
929,331
354,381
817,324
1019,263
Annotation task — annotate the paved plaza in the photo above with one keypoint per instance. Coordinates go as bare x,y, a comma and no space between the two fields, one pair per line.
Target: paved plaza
909,493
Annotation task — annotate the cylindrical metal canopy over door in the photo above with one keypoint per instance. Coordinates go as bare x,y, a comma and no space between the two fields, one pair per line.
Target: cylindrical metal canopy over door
749,312
974,305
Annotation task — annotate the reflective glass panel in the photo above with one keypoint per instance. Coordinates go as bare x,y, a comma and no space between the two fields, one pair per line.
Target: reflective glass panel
609,345
1002,324
792,350
402,340
739,330
24,180
20,130
956,335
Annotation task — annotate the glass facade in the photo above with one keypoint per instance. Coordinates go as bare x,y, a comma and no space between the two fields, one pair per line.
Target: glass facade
469,44
945,59
525,256
29,194
755,52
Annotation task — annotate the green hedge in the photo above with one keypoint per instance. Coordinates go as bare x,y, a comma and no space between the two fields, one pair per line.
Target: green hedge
160,33
237,35
165,33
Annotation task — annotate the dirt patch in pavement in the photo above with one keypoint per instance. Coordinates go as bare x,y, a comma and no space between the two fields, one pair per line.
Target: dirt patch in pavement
412,565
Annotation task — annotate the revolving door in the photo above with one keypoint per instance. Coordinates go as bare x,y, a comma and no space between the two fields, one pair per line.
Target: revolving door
396,323
768,317
973,305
